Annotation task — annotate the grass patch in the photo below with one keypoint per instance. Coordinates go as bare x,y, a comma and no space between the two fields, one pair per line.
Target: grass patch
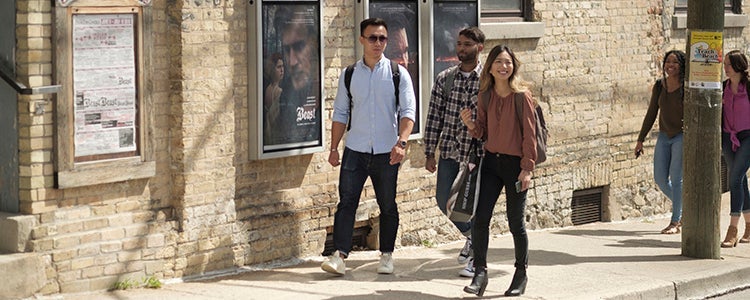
130,283
428,243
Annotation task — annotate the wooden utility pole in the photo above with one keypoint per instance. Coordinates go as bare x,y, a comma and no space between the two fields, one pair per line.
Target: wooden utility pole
701,192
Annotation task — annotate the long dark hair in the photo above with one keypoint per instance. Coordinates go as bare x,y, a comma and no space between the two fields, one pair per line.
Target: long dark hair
738,61
680,58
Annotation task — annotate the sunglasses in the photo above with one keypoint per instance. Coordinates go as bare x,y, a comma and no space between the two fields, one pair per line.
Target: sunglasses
374,38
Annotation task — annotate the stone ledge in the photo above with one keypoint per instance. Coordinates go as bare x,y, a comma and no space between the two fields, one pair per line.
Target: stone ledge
15,232
513,30
730,21
22,276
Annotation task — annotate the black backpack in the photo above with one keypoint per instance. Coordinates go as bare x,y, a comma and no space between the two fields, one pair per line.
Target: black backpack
395,74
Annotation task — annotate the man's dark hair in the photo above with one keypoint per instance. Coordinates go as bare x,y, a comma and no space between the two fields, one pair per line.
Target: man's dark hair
473,33
371,22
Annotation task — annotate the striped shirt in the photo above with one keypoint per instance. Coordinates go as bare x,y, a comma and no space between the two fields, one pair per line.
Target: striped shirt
444,127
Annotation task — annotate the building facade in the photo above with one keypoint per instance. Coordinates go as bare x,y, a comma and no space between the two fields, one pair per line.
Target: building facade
190,199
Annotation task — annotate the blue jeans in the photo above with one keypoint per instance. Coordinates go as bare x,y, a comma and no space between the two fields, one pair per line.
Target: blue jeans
737,165
446,174
355,168
668,170
500,171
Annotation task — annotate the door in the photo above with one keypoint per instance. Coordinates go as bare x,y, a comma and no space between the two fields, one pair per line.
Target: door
8,111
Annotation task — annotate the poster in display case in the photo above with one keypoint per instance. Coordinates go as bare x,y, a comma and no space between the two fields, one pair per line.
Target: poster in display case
449,18
104,110
289,71
104,85
403,46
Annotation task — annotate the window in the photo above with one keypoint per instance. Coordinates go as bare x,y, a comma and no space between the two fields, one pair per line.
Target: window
730,6
733,17
506,10
509,19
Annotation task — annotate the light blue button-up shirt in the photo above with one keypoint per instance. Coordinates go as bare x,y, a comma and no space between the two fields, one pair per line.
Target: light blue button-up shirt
374,127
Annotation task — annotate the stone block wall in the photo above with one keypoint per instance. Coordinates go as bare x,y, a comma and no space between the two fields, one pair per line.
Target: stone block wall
210,208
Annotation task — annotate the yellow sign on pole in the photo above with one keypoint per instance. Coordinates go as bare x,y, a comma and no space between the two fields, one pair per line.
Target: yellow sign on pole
706,58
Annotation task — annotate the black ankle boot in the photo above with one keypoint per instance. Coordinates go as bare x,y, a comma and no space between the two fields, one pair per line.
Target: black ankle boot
518,285
479,283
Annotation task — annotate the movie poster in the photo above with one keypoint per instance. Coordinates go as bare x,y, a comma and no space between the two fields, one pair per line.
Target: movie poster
403,39
291,101
450,17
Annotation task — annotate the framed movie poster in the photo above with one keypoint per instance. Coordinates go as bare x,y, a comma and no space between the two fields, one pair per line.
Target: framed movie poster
289,87
403,46
449,18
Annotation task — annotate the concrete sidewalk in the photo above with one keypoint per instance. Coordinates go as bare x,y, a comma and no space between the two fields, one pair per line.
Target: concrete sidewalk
623,260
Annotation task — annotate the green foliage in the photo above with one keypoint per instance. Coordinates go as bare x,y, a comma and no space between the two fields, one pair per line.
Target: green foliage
152,283
428,243
130,283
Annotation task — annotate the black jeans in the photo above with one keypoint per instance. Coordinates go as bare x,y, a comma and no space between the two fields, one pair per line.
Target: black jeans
498,171
355,168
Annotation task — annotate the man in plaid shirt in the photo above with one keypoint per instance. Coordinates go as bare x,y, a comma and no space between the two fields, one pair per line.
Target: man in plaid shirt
444,126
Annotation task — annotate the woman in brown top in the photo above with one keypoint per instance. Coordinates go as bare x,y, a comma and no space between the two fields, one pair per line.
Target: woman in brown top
666,99
510,155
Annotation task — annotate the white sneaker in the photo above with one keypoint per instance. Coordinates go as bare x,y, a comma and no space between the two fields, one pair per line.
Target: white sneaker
466,252
334,264
468,271
386,263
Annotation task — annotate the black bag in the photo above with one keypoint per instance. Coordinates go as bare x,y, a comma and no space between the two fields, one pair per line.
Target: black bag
464,194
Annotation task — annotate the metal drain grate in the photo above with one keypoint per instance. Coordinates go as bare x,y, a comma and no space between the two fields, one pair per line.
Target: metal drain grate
359,240
586,206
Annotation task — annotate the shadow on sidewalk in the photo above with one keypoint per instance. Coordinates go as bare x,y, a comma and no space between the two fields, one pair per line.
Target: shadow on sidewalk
391,294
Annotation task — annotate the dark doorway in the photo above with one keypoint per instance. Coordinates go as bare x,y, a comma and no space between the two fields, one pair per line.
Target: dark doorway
8,111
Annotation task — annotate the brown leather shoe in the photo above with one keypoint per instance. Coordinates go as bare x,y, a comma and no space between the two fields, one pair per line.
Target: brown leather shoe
672,228
731,238
746,237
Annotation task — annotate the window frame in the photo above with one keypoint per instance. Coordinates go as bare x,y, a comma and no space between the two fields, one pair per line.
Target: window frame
734,7
507,15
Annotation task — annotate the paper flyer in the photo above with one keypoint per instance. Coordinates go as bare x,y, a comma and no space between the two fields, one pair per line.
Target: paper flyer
706,58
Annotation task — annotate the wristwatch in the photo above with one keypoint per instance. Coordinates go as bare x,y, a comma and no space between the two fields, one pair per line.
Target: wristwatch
402,144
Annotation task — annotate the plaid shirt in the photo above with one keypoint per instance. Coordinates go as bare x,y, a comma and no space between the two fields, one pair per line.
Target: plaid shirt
444,124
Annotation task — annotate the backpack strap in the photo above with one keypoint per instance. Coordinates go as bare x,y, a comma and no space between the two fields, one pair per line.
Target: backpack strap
659,86
348,79
348,83
519,109
484,99
448,84
395,74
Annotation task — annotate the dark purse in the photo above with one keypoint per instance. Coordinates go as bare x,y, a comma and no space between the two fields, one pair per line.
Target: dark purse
464,193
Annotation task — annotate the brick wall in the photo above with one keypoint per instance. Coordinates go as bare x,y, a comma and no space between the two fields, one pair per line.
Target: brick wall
210,207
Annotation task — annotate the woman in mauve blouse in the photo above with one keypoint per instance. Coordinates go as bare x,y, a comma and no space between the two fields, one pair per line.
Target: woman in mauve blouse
735,143
509,158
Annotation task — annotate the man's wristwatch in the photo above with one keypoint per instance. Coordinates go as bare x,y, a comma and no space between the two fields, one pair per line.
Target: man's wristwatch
402,144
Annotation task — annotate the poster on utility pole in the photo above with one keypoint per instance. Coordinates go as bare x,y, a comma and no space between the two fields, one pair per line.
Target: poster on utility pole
705,60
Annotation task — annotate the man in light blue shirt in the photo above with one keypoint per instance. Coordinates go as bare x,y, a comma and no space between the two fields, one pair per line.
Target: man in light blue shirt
375,145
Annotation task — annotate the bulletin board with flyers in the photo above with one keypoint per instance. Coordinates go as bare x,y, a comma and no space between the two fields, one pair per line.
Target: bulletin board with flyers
103,109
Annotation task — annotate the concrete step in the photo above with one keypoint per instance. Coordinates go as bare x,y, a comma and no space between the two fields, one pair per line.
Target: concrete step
22,275
15,232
